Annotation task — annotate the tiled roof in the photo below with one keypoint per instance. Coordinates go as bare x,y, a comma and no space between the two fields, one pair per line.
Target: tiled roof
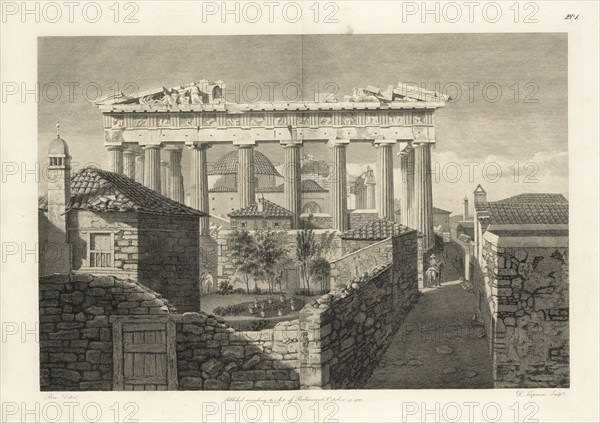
269,210
222,189
309,185
527,208
376,230
535,198
441,211
228,164
278,188
103,191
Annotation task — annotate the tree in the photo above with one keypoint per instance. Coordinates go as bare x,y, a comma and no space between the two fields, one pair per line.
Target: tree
243,255
320,268
306,248
271,252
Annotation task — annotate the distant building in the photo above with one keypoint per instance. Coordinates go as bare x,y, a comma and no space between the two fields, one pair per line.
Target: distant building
261,215
441,219
103,223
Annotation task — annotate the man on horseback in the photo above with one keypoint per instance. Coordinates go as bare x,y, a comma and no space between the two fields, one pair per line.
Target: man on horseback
434,272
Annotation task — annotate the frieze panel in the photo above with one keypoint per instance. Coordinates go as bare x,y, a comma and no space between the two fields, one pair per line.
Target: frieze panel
163,121
187,120
118,121
303,119
396,118
233,120
140,121
279,120
257,120
209,120
325,119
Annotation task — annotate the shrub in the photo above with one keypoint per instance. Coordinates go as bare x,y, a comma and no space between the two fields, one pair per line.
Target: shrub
239,291
225,288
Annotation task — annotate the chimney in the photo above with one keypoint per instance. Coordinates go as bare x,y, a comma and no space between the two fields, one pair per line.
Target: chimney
260,205
479,195
58,251
465,208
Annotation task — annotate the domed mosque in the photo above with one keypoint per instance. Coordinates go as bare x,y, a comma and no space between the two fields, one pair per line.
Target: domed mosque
269,185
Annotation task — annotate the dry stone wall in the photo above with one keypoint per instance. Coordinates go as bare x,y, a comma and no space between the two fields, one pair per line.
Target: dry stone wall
355,263
527,298
76,348
344,333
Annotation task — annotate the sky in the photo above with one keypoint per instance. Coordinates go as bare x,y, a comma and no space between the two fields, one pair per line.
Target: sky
505,127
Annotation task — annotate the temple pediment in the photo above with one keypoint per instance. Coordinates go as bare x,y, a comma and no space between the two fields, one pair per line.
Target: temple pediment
204,92
200,92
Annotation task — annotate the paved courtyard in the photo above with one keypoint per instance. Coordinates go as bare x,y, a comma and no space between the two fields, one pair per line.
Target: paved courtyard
438,345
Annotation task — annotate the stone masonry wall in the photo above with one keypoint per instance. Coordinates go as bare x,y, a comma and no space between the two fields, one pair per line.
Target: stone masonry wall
213,356
76,340
360,218
527,294
344,333
357,262
169,258
76,348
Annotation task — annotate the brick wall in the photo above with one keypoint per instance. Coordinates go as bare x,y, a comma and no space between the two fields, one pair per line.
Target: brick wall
357,262
527,314
359,218
344,333
76,348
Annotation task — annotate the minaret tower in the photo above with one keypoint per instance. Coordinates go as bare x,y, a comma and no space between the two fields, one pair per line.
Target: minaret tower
58,251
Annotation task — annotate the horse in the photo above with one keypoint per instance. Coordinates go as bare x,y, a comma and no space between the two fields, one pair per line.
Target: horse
433,275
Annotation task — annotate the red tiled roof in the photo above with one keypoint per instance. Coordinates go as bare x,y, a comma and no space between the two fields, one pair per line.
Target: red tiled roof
441,211
269,210
103,191
376,230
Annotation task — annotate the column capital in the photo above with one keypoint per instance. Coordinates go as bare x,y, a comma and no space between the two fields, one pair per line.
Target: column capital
290,143
338,143
244,143
200,146
115,148
151,146
174,148
384,143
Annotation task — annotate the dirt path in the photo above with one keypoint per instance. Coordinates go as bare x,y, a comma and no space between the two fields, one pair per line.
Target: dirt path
437,346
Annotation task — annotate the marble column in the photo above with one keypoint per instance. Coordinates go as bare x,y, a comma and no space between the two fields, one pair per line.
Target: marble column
338,187
245,175
371,187
164,181
139,168
115,158
199,184
407,173
422,200
174,176
129,163
292,192
385,181
152,167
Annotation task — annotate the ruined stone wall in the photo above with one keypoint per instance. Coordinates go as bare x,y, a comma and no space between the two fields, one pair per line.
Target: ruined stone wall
76,340
527,298
213,356
344,333
359,218
169,258
357,262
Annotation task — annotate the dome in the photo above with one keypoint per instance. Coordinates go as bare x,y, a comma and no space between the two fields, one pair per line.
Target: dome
227,164
58,146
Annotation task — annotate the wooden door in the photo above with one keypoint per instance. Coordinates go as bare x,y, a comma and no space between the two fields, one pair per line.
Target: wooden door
144,355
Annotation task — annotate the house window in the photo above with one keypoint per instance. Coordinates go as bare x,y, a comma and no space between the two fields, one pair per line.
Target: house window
243,225
276,224
102,249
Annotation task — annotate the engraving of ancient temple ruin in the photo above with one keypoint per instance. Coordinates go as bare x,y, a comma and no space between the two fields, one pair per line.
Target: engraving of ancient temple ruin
331,270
